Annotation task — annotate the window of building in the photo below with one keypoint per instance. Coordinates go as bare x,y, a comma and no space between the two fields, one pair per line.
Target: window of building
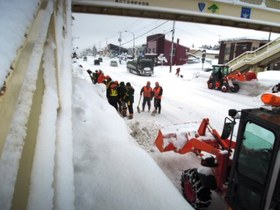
227,50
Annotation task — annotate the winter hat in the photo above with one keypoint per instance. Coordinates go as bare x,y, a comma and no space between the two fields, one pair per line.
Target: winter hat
121,83
128,84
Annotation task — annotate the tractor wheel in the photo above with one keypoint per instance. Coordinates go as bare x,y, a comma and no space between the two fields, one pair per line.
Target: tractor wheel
210,84
194,192
224,87
235,88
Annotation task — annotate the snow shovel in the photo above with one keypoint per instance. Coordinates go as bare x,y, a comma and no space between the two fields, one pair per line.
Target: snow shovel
138,108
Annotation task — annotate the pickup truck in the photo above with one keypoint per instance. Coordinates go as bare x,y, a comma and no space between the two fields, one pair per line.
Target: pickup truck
141,66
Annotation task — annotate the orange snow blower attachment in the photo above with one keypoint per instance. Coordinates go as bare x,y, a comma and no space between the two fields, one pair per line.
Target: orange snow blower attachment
270,99
242,76
193,137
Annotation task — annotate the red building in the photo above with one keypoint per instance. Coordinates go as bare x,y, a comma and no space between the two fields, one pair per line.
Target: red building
157,44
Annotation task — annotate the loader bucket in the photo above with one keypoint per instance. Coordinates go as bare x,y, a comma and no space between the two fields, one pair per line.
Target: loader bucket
160,143
175,137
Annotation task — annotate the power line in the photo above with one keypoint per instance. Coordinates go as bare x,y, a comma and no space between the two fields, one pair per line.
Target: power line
147,32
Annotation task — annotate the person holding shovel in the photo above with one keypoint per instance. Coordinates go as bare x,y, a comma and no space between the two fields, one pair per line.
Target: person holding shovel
157,94
147,92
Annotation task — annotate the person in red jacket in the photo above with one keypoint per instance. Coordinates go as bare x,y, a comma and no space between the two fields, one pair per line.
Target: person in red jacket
147,92
157,93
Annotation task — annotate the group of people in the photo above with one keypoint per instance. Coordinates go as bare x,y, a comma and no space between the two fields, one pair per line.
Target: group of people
121,95
150,93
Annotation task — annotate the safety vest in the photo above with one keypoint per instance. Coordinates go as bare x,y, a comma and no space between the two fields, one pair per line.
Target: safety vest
113,89
157,92
147,92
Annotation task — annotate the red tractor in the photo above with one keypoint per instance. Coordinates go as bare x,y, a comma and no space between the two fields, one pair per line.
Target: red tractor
245,172
223,79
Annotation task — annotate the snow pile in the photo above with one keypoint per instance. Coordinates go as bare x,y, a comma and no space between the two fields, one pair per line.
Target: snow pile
178,135
110,171
13,33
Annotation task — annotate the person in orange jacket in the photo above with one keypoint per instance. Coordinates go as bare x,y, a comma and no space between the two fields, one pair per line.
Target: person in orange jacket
101,77
157,93
147,92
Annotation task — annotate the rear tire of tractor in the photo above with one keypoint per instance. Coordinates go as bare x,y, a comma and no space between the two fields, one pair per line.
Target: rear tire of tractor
210,84
193,190
235,88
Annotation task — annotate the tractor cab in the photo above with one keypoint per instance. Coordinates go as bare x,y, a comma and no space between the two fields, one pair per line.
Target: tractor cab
220,70
254,182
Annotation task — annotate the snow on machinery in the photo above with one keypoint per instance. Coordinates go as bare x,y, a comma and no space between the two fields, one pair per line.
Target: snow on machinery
223,79
245,172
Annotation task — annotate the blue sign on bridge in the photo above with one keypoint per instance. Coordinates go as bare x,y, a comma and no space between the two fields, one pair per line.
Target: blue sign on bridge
245,12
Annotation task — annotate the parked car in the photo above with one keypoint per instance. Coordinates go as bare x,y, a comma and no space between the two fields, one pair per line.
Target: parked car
114,63
96,62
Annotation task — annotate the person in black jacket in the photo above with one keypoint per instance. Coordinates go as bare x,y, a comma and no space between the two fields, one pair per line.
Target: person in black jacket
129,99
121,102
112,93
276,88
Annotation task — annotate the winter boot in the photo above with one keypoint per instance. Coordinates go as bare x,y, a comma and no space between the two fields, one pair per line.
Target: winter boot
124,112
130,116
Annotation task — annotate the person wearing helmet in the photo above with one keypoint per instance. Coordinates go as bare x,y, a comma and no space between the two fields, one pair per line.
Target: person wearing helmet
157,93
147,92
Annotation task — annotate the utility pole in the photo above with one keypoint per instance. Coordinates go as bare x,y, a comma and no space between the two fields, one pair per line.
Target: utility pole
120,43
134,51
171,54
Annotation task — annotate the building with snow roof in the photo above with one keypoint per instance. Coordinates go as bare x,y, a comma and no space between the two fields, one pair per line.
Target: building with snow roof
157,44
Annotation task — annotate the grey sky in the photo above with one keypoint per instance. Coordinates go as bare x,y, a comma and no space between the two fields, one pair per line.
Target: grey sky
99,30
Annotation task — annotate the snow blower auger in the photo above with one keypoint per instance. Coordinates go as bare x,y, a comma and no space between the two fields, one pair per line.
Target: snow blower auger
213,149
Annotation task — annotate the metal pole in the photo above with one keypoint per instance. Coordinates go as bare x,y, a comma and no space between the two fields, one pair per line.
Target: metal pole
171,54
120,41
134,55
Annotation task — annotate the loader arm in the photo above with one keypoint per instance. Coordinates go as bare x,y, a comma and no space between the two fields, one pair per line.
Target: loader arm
198,145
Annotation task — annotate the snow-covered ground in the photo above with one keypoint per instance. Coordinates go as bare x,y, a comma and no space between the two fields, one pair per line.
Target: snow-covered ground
98,133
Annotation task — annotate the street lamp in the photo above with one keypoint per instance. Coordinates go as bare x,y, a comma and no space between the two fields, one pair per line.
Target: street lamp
133,42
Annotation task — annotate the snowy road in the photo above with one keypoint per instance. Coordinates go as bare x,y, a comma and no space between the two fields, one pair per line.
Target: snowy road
184,100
